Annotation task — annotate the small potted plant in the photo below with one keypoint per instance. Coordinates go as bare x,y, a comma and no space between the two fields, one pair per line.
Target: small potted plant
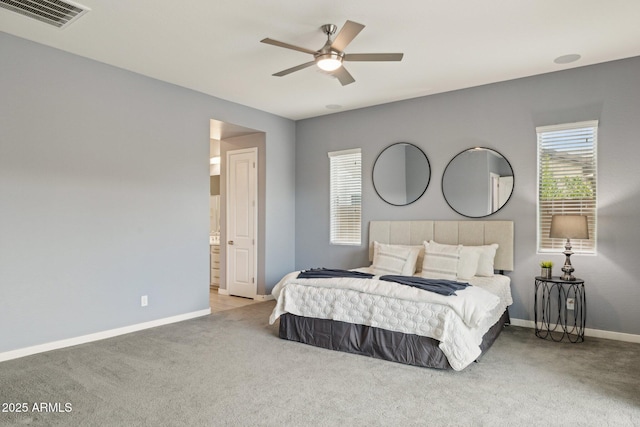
546,269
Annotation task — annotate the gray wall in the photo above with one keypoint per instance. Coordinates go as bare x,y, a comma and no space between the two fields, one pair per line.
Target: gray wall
104,195
501,116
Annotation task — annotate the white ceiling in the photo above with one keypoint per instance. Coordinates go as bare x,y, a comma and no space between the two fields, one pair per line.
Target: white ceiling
214,46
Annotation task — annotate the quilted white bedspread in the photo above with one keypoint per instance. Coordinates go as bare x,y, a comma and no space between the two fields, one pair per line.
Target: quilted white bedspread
458,322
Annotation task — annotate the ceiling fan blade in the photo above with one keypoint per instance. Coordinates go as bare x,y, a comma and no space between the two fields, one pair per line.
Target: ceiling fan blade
294,69
287,46
348,32
373,56
343,75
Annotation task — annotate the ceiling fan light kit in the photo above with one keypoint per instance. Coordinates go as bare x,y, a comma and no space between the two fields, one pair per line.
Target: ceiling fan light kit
329,61
331,56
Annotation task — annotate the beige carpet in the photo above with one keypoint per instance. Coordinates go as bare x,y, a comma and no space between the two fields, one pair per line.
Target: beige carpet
230,369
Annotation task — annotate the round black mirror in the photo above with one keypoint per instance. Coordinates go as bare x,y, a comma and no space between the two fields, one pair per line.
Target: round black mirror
401,174
477,182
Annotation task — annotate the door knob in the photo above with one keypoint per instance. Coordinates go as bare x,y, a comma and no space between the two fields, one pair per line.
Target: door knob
230,242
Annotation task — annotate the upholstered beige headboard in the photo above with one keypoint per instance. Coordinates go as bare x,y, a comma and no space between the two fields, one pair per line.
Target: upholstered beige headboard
471,233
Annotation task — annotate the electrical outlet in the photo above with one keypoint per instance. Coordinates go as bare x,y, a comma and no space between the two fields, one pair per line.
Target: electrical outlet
144,301
571,303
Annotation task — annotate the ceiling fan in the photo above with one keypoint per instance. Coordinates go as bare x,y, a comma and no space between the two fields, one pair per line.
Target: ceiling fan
331,56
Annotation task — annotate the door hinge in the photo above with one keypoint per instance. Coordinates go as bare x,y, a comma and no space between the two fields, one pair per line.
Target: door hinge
254,165
253,280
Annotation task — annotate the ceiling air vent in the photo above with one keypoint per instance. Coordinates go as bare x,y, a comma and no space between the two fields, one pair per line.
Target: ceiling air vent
53,12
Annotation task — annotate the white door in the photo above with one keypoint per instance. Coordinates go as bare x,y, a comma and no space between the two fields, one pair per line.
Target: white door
506,187
242,186
494,201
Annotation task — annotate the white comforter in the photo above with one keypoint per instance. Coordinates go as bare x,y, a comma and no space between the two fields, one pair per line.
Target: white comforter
458,322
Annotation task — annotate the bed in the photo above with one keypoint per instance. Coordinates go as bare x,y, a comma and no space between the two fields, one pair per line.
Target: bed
400,323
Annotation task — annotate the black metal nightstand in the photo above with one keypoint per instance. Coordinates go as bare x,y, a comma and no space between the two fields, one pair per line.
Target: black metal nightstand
554,318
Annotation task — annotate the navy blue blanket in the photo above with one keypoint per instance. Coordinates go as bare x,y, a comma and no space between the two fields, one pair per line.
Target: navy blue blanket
324,273
439,286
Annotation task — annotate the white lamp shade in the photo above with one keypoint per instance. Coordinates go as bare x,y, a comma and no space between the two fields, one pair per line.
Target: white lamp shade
329,61
569,227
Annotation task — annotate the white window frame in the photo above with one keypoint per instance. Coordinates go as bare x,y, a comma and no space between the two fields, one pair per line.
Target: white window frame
345,197
569,154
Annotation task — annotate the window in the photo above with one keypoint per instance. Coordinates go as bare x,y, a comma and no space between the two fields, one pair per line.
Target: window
567,181
345,196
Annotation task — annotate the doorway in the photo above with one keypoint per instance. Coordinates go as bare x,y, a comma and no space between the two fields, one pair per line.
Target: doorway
227,138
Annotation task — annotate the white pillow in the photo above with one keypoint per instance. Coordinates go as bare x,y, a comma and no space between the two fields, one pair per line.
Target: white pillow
468,263
419,251
487,253
416,257
440,261
394,259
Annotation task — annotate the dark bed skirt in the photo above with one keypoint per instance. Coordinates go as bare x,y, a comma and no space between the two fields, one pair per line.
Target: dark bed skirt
375,342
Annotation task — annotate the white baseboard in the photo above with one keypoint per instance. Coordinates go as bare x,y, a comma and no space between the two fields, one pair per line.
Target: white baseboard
595,333
223,291
55,345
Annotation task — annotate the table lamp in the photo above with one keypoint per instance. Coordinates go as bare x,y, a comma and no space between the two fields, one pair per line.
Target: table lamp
569,227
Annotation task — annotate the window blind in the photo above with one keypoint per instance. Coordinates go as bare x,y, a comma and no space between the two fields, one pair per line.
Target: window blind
345,196
567,178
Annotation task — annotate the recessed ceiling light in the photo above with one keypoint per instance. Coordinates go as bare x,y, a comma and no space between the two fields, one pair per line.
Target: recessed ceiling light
567,59
334,106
